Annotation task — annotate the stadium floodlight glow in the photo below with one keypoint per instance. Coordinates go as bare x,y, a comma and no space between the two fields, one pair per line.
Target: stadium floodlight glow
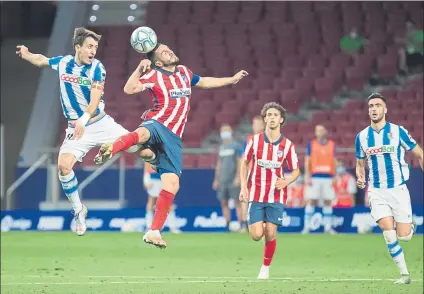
131,18
93,18
95,7
133,6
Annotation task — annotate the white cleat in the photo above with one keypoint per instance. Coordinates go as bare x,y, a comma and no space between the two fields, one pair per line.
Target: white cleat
331,232
154,238
305,231
80,225
264,273
175,231
104,154
404,279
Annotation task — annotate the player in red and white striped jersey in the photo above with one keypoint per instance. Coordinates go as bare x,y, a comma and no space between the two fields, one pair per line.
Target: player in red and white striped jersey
265,188
169,85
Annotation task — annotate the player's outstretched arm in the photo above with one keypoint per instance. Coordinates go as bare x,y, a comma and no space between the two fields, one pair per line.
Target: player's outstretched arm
418,152
38,60
360,173
209,82
133,85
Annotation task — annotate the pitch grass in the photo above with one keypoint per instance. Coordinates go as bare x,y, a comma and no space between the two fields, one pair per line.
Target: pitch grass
118,263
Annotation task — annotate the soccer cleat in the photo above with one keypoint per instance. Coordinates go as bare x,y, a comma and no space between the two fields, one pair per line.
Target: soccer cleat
305,231
331,232
264,273
104,154
80,225
175,231
154,238
404,279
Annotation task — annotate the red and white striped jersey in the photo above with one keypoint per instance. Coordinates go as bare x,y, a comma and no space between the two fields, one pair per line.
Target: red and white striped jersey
268,164
171,94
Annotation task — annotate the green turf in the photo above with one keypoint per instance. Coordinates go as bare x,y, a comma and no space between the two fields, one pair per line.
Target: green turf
201,263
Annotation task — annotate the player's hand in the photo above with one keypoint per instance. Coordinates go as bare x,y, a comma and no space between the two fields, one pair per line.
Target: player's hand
236,182
308,180
360,182
79,130
21,50
238,76
215,185
144,65
244,195
281,183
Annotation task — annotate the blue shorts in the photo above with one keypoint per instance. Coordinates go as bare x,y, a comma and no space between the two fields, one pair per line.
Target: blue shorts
265,212
167,145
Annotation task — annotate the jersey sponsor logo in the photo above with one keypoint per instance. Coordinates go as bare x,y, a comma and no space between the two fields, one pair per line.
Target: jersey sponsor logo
180,93
381,150
269,164
82,81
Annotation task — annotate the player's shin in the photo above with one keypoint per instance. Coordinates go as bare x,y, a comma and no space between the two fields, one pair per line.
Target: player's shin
69,184
163,204
309,212
327,212
395,251
124,142
269,251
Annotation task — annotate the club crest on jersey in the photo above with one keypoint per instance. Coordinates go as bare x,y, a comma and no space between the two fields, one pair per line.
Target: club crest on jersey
390,136
82,81
381,150
180,93
280,153
185,79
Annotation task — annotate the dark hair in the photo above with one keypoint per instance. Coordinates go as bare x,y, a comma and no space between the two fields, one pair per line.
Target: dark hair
151,55
274,105
80,34
376,96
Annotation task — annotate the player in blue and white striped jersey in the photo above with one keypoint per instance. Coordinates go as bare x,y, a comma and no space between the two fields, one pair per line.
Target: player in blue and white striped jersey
383,146
82,79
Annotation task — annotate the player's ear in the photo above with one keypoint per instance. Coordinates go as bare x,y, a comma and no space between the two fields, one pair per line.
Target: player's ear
158,63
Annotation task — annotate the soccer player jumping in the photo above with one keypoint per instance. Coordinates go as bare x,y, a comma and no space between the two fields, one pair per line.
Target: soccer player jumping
383,145
169,85
82,79
266,186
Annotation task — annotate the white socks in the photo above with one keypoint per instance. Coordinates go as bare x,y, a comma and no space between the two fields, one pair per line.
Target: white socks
327,213
70,187
395,251
309,212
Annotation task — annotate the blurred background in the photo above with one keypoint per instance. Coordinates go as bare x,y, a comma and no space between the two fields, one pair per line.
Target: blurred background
320,60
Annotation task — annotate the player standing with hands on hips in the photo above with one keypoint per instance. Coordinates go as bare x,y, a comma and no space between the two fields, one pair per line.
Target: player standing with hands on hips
382,146
265,188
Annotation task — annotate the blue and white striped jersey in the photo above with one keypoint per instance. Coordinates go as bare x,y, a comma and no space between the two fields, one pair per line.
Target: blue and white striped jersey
385,154
75,84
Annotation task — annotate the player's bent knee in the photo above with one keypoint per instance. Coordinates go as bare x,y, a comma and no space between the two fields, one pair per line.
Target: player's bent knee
170,183
146,153
143,134
256,236
405,238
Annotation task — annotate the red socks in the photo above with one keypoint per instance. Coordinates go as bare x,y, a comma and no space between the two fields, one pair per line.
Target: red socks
124,142
269,251
163,204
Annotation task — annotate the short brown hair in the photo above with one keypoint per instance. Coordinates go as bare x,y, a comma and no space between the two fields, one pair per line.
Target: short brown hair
80,34
274,105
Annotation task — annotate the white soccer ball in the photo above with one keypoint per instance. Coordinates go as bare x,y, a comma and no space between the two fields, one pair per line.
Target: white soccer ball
143,39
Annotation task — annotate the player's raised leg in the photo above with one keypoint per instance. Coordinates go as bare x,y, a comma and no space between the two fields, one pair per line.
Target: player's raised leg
69,183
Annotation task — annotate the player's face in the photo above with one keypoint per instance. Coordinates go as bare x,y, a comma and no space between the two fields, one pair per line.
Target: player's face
376,110
320,132
273,119
87,51
258,125
166,57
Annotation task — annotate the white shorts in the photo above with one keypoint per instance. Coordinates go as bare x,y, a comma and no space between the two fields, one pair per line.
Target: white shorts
320,189
104,130
155,189
394,202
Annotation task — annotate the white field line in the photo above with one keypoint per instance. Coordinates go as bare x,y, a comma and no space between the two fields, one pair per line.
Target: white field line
200,280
